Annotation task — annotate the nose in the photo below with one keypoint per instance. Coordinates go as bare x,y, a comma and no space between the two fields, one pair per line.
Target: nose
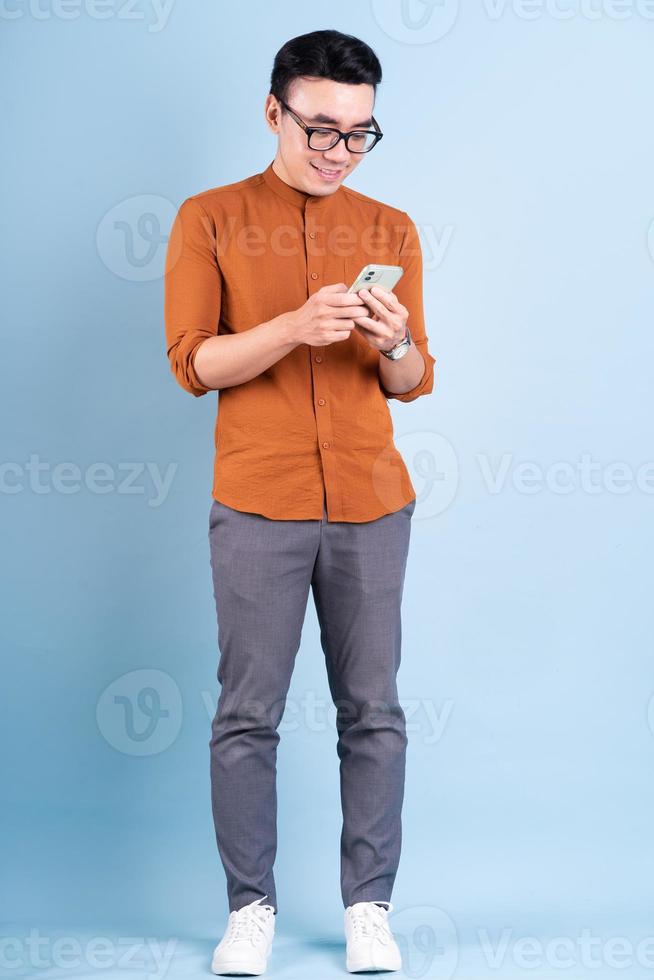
339,155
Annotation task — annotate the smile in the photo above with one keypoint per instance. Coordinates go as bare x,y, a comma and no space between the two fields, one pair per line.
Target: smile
328,174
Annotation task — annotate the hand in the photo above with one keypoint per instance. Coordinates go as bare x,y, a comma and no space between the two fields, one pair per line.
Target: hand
386,327
326,317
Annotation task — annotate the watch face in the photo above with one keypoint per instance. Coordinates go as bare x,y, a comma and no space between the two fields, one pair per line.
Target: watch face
399,348
403,345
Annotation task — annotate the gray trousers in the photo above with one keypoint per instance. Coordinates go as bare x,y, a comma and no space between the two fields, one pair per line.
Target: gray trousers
262,571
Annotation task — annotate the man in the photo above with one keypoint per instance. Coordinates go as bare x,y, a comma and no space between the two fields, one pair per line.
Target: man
309,490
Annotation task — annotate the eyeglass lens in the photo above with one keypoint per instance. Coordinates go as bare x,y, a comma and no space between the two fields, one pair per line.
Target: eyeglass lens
323,139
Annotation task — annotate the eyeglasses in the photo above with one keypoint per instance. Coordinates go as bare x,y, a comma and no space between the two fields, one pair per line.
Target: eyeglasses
323,138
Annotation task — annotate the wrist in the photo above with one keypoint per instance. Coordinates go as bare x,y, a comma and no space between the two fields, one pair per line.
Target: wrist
399,349
287,328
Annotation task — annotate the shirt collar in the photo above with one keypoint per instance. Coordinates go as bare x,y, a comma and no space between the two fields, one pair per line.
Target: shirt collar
292,194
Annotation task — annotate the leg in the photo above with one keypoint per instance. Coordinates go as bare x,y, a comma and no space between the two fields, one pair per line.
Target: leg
261,577
358,583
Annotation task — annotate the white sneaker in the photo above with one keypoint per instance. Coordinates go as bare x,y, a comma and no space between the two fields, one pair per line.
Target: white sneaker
369,941
246,944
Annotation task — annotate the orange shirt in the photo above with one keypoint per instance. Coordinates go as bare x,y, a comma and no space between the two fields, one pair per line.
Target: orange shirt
317,421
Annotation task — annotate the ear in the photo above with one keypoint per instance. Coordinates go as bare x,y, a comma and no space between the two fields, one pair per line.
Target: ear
272,113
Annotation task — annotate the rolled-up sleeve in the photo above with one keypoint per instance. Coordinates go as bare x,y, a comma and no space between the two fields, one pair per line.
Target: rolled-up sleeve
409,293
192,291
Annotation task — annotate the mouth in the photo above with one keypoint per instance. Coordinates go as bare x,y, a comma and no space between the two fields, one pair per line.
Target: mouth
327,174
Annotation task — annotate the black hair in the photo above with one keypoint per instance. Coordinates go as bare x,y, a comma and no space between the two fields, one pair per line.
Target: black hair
325,54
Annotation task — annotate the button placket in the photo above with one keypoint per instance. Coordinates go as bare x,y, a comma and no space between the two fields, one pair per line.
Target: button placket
319,358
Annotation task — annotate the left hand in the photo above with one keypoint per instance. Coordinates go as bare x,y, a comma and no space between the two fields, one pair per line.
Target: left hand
387,325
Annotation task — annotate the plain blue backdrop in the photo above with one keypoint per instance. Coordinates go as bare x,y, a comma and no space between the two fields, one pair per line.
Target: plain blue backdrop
518,137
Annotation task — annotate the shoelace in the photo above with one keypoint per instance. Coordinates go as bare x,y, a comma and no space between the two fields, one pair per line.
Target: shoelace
369,920
245,923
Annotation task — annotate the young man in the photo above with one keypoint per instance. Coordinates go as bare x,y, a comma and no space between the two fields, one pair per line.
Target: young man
309,490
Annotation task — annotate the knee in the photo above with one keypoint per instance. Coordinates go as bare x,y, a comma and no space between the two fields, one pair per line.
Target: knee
370,715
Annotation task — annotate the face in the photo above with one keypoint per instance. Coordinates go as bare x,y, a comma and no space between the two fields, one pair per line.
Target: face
318,102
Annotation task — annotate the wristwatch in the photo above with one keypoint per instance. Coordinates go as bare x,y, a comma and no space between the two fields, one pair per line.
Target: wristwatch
400,349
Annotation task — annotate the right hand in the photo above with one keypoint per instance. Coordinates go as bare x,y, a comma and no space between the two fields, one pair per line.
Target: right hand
326,317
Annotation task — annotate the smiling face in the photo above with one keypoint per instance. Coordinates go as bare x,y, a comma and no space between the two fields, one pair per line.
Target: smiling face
318,102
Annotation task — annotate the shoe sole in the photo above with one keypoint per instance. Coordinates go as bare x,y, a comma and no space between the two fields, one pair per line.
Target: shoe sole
365,966
238,970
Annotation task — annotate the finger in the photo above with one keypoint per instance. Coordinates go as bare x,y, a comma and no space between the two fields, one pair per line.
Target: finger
340,299
351,311
375,302
389,299
385,295
379,312
365,320
374,327
394,302
371,337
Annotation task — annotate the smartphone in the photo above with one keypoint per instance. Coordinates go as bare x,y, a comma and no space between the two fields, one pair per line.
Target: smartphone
386,276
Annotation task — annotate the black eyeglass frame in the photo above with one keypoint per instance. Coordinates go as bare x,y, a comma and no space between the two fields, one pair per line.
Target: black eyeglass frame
377,133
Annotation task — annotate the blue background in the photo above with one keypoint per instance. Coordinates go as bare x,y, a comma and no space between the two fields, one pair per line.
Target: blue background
519,140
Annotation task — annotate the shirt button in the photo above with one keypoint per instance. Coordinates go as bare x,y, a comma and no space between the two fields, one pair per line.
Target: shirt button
321,401
325,445
312,234
314,275
318,358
